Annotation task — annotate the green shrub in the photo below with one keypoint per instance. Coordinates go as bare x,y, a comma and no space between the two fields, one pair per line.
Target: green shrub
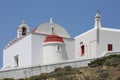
58,69
8,79
112,62
68,68
21,79
102,61
65,78
43,76
60,72
34,78
97,62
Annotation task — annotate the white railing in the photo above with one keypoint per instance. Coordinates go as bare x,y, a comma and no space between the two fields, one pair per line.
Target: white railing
107,53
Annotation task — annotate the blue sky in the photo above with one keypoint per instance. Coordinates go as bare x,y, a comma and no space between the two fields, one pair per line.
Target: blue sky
76,16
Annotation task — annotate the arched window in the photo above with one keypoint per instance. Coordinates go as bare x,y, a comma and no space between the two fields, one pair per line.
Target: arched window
24,31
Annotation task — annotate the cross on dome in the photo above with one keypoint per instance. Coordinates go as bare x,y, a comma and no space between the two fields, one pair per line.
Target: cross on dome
51,21
52,26
23,22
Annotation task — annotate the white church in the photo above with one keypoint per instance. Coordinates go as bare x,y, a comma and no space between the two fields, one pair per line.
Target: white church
50,43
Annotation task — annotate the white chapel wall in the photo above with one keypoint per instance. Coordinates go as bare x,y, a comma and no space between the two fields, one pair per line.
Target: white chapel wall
108,37
37,48
22,48
89,40
70,48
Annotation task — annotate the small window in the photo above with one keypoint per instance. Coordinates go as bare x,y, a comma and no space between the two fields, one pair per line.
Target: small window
52,29
16,60
82,50
24,31
81,43
110,47
58,48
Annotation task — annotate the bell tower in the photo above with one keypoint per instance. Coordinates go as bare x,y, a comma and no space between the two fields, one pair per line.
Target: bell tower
23,30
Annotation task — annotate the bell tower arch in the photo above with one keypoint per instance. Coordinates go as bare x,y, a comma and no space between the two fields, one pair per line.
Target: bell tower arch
23,30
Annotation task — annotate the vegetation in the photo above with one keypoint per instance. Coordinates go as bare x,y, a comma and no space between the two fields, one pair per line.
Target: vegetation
8,79
112,60
21,79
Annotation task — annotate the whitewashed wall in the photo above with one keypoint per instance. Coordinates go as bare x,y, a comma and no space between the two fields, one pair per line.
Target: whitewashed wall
89,41
30,51
69,48
21,48
51,54
37,48
108,36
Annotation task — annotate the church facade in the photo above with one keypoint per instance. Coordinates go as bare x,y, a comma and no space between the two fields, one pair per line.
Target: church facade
50,43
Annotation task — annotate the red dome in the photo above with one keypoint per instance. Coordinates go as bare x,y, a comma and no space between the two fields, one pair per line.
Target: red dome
53,38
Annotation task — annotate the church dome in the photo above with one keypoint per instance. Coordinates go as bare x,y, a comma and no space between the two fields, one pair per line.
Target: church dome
48,28
53,38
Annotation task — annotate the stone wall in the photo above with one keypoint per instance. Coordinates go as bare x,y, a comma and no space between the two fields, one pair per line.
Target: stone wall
36,70
26,72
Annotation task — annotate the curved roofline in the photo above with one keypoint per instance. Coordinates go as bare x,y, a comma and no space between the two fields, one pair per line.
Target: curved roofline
46,29
53,38
52,43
